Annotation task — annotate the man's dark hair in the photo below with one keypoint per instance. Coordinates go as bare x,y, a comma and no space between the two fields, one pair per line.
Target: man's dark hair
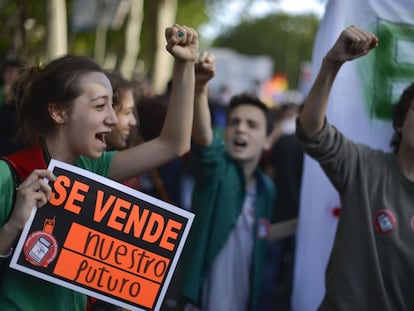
400,111
247,99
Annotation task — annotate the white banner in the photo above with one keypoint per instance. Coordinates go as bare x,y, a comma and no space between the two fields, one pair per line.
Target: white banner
238,72
360,106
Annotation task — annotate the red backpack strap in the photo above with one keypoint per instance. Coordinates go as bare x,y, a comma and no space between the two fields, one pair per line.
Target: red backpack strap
26,160
21,164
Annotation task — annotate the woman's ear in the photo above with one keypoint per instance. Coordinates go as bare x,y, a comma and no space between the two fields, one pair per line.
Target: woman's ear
57,113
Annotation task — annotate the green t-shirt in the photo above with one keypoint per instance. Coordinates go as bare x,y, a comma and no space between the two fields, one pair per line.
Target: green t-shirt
20,291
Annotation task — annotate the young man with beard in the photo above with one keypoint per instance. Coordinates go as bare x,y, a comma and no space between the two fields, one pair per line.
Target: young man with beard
232,200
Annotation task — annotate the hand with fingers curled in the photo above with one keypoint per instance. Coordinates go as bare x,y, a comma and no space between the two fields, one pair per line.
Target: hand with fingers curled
352,43
204,68
182,42
34,191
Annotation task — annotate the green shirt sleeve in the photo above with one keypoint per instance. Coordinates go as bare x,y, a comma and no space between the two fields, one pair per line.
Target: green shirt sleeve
6,192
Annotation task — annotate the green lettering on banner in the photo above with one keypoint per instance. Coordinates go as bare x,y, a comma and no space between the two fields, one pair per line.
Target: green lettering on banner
393,67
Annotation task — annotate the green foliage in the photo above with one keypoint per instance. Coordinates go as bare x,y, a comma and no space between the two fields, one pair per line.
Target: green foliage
83,42
80,43
189,12
287,39
23,25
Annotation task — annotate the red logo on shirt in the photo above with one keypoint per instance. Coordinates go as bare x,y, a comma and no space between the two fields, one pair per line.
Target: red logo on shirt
384,221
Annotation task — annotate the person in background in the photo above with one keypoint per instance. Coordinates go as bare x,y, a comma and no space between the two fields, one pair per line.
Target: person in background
232,201
165,182
66,114
124,133
10,73
284,165
371,262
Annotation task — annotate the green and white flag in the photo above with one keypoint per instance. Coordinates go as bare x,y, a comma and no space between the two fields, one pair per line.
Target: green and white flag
360,106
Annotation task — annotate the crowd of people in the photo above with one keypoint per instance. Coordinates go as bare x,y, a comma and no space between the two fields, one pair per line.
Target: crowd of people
245,178
65,113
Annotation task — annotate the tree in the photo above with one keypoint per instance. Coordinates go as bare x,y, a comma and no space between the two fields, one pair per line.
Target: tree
23,28
165,15
57,40
287,39
38,30
157,15
132,38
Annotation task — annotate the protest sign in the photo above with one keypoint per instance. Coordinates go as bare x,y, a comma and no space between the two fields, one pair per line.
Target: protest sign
103,239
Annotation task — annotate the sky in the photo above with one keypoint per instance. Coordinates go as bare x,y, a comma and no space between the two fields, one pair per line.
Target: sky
230,14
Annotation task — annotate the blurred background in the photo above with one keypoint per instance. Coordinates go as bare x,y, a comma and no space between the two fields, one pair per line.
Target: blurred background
263,44
263,47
